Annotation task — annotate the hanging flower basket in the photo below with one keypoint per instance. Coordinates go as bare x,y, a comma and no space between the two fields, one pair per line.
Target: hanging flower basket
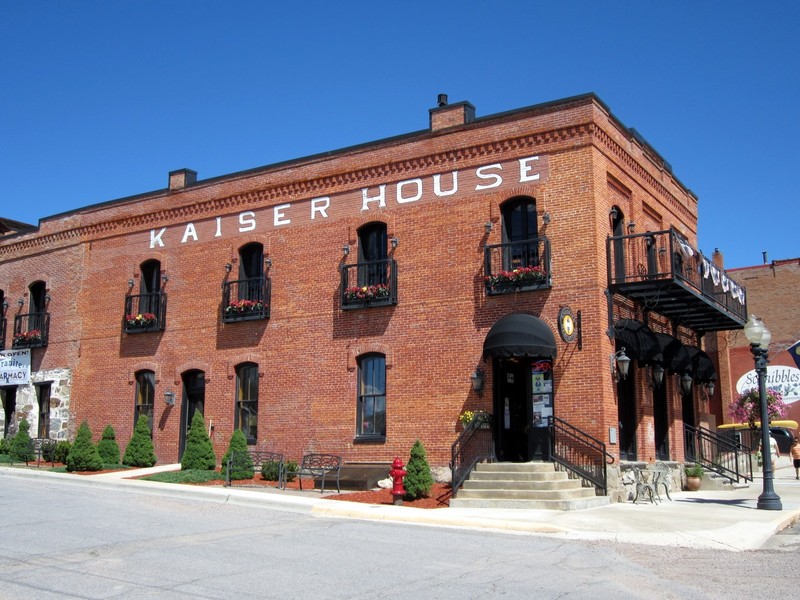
747,407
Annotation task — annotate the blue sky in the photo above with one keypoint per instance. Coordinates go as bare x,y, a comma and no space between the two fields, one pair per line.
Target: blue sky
100,100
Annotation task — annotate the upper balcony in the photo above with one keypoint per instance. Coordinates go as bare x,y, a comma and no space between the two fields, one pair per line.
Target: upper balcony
517,266
661,271
145,312
246,299
369,284
31,330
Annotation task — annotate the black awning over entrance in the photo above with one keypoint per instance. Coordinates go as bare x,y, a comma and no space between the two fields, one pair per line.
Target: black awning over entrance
519,335
638,340
679,358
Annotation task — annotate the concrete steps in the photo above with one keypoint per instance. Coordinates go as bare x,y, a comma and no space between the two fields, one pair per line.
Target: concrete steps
532,485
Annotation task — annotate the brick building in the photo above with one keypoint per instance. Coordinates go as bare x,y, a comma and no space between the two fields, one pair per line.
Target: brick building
358,300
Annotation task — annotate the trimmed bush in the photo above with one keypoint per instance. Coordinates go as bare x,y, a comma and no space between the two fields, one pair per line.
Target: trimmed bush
5,445
270,470
62,451
242,467
83,455
291,470
139,452
108,448
199,453
21,447
418,481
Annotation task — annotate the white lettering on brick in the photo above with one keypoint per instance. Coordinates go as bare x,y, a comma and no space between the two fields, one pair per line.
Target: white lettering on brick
190,232
279,218
525,168
247,221
325,203
380,198
437,185
480,172
415,197
155,238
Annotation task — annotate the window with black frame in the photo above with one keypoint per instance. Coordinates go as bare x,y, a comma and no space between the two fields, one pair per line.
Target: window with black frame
246,417
43,396
520,233
145,397
371,410
372,255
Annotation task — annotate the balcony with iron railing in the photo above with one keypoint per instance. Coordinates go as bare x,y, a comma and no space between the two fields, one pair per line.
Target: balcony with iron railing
145,312
517,266
31,330
369,284
661,270
246,299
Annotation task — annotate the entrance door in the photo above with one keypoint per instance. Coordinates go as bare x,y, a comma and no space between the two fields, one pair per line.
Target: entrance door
523,401
661,419
194,396
9,397
626,410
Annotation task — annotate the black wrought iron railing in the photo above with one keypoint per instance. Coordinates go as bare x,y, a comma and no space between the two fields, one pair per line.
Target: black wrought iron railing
654,257
145,312
719,453
474,445
31,330
369,284
517,266
581,454
246,299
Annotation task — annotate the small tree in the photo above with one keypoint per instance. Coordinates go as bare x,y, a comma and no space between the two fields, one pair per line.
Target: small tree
139,452
242,467
418,480
108,448
83,456
199,453
22,449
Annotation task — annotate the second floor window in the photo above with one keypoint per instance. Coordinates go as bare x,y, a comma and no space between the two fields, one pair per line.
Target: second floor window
372,254
520,230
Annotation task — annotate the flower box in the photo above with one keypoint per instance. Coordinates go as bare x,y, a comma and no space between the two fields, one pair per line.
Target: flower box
366,293
521,277
141,322
28,338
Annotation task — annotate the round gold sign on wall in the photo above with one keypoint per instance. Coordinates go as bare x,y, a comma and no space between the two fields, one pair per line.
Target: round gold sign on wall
566,325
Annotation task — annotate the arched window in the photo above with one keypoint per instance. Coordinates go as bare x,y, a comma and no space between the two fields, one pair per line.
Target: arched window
617,231
246,417
520,233
145,397
372,254
38,297
150,288
371,410
251,272
193,399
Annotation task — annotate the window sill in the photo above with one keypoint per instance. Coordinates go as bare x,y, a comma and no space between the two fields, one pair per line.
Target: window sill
369,439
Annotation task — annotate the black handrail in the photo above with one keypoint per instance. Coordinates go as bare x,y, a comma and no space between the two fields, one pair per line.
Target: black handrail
246,299
366,284
580,453
152,307
517,266
31,330
721,454
475,444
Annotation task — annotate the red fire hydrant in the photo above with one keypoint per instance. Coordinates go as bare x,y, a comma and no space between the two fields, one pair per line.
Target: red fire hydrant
397,473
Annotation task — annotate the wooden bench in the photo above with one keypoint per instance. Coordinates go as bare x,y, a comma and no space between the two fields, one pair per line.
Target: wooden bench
258,458
318,466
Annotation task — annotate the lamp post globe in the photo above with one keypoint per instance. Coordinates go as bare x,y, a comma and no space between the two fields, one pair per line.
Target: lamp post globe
759,337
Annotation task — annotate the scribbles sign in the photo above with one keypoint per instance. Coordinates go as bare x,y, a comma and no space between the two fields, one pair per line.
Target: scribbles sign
15,367
419,190
784,379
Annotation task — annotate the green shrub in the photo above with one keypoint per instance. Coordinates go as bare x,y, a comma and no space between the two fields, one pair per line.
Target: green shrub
5,445
22,449
139,452
108,447
242,467
290,468
199,453
49,451
62,451
270,470
83,455
418,480
694,470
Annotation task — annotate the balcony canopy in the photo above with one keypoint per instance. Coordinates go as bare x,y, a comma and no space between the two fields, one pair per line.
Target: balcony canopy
520,335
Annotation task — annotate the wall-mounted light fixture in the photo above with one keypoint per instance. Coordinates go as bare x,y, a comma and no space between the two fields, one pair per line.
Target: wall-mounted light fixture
487,227
613,213
656,376
620,364
686,383
346,249
394,241
164,278
546,218
130,283
47,298
710,388
5,305
228,267
477,381
169,398
631,227
21,302
268,262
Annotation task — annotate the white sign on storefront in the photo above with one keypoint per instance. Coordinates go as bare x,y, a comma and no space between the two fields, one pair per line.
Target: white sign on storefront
15,367
785,380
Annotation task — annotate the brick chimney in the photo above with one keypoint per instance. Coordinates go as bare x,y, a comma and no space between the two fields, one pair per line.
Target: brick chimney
181,178
450,115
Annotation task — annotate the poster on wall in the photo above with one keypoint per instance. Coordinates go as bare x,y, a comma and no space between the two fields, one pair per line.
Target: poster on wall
15,367
541,392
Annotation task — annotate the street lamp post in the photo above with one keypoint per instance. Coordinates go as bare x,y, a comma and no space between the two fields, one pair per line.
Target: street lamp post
759,337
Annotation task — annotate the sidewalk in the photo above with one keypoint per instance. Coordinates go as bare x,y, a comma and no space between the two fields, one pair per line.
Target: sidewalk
726,520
